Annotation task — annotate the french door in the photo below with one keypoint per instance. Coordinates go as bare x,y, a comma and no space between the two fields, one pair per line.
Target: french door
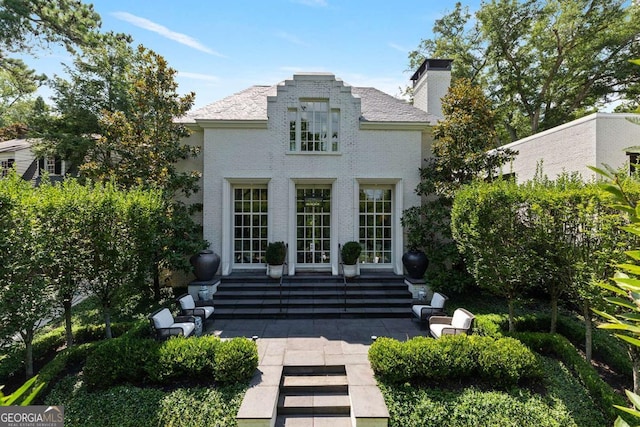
313,227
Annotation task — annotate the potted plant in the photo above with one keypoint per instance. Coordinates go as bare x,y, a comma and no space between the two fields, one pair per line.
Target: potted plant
350,253
274,256
415,260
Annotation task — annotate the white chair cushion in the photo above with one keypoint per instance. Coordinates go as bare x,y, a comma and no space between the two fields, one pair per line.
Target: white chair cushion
187,327
460,320
436,329
163,319
187,302
208,310
437,301
417,309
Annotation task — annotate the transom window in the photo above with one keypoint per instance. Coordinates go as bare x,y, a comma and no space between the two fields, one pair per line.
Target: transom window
249,224
375,224
314,127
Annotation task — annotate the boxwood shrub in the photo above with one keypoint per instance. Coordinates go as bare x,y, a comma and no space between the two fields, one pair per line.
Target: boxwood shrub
502,361
137,361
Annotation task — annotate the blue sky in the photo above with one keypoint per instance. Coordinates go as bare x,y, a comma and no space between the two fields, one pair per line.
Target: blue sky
221,47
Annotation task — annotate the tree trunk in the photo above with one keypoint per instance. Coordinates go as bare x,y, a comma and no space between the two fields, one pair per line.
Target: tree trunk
512,326
66,304
588,332
634,354
554,313
107,323
156,281
28,353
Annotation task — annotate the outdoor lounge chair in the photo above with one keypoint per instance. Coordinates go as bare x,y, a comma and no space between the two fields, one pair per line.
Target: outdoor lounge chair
460,323
166,326
190,307
436,306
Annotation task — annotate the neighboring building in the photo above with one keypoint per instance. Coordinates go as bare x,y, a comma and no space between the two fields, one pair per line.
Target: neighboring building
598,139
315,163
18,153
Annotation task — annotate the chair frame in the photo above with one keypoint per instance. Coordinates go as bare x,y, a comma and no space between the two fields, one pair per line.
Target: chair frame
166,333
427,312
198,310
447,321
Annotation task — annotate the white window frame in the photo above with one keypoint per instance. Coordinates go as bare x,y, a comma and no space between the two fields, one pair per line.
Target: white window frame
257,255
374,227
329,137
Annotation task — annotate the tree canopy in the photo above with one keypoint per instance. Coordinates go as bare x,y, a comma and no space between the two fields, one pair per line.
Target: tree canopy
542,62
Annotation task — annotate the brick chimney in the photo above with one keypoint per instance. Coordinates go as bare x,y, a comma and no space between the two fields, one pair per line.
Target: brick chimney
430,83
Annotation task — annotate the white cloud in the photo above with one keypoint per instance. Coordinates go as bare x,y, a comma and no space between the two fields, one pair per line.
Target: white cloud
313,3
198,76
398,47
292,38
165,32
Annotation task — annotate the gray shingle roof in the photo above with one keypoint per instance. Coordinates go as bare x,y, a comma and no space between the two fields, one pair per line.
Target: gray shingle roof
15,145
251,104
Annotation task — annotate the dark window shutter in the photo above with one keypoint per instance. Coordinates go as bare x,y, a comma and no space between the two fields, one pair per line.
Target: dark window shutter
58,166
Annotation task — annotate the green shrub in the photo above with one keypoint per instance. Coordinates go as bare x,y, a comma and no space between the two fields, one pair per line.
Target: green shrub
503,361
185,358
506,360
388,359
559,347
119,361
235,361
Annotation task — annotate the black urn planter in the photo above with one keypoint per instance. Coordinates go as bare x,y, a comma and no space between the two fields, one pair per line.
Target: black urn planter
416,263
205,264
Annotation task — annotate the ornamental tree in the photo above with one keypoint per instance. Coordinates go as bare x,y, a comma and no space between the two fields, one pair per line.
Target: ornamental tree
460,155
541,62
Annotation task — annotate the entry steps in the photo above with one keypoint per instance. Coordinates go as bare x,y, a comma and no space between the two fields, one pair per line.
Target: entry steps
314,395
253,296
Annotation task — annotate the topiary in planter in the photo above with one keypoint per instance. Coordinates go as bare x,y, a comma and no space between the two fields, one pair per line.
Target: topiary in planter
350,252
275,253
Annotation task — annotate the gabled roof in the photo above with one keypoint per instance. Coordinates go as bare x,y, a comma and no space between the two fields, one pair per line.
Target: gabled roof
251,104
15,145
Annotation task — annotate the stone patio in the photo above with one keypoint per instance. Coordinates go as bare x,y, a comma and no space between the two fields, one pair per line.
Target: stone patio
314,342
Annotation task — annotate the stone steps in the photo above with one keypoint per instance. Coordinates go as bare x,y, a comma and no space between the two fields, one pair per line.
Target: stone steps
310,392
252,296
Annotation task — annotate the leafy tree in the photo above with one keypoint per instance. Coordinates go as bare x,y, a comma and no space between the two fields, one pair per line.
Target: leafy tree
143,145
490,224
542,62
25,291
63,215
98,83
623,311
27,26
460,155
114,262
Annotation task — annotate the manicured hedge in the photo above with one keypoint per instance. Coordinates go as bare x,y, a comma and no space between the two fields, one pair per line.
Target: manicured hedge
560,348
605,347
131,360
503,362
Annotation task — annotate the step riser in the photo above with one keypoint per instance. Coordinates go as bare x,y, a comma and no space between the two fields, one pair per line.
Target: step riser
315,410
312,297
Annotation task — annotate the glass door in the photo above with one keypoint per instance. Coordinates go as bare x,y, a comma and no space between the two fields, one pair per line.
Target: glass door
313,227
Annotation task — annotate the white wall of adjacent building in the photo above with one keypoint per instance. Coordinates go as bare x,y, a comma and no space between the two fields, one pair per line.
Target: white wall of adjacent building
595,140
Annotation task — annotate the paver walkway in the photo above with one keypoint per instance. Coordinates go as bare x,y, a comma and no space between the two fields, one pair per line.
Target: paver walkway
321,342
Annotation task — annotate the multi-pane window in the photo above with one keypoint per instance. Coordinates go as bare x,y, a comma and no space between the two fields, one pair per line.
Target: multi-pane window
314,127
5,167
313,225
375,224
249,224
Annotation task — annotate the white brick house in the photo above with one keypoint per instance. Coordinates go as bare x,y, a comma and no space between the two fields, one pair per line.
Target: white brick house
315,163
595,140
